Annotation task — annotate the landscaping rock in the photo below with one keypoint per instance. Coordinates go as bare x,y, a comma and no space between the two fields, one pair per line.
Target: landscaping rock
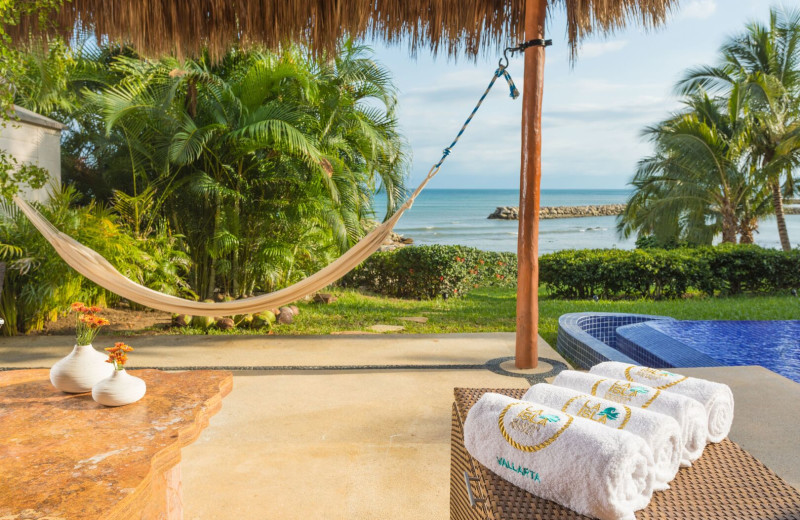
285,310
225,324
387,328
325,298
286,317
295,309
415,319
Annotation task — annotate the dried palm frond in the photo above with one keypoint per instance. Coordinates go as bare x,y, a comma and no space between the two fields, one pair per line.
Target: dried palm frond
185,27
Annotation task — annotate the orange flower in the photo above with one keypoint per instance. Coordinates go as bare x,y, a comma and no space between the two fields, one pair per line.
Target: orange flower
118,354
120,346
77,306
95,309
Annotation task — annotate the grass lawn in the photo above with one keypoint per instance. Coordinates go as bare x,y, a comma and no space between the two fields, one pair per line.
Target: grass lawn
493,310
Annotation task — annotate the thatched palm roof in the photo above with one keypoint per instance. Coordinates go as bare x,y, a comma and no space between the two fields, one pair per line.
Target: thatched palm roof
467,27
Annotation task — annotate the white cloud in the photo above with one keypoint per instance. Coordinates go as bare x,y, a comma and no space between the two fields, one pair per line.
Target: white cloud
595,49
697,9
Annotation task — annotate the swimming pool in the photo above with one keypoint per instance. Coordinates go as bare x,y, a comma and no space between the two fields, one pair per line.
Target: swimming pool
772,344
591,337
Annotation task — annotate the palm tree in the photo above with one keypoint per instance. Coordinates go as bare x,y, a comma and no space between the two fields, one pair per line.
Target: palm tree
765,60
261,161
699,182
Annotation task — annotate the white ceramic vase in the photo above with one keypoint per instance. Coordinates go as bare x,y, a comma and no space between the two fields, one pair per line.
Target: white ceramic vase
80,370
118,389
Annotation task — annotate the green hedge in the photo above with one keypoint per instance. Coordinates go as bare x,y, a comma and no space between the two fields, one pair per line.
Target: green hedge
657,273
430,271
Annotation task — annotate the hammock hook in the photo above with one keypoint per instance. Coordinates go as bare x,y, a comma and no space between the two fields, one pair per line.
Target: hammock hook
503,62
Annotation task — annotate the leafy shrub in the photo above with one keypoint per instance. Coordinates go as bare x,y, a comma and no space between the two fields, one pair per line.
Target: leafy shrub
430,271
39,285
660,273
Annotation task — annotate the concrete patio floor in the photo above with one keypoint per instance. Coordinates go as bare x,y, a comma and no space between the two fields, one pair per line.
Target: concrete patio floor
359,426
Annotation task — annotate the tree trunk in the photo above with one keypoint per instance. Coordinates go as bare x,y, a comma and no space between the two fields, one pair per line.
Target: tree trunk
746,228
527,355
730,224
777,202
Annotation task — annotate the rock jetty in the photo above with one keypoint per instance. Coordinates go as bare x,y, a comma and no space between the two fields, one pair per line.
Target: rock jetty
395,241
604,210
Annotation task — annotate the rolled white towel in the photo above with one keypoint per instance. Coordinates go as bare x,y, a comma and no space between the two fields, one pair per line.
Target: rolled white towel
717,398
690,414
661,432
596,471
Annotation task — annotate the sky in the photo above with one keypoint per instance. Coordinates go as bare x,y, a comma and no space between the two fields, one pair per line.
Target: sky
593,112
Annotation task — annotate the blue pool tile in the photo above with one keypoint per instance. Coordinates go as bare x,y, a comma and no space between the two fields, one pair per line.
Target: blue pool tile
589,338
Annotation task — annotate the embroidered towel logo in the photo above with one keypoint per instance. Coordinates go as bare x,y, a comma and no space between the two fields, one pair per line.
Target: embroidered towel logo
624,392
530,420
608,415
525,472
539,429
653,377
596,414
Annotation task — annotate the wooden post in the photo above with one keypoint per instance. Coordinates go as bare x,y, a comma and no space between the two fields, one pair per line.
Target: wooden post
527,355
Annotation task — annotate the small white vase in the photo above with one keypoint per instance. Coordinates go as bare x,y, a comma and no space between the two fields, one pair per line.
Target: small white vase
118,389
80,370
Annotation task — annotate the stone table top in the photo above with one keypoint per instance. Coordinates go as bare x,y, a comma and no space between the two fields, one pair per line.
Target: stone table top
63,456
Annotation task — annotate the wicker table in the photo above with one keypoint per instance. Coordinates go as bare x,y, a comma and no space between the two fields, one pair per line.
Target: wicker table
65,457
726,483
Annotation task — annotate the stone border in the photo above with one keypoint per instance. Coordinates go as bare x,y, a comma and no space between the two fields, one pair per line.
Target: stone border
493,365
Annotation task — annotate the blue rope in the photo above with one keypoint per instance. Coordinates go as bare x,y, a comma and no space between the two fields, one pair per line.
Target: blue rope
513,92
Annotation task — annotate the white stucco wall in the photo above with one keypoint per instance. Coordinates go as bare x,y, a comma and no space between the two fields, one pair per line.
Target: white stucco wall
37,140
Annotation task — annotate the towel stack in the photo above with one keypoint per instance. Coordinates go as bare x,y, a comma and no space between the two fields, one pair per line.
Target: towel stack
601,442
690,414
579,464
662,434
715,397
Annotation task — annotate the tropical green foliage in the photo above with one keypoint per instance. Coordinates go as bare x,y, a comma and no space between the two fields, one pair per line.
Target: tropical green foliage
11,64
659,273
15,177
430,271
265,164
727,158
39,285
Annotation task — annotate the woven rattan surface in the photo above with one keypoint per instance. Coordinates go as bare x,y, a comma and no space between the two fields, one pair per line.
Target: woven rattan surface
725,483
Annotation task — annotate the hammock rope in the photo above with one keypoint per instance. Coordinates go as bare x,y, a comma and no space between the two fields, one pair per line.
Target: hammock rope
93,266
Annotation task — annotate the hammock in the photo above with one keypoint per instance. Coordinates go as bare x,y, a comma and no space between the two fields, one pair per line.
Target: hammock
93,266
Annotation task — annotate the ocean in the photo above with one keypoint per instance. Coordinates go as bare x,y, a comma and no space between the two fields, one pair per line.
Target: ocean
458,217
